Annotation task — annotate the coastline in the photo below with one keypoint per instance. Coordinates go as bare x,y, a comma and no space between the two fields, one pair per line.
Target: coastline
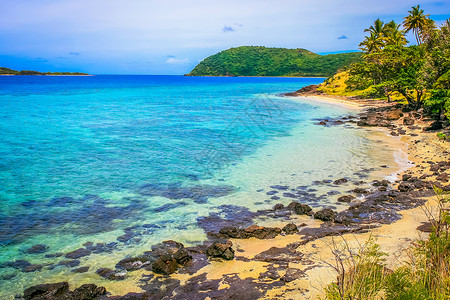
294,266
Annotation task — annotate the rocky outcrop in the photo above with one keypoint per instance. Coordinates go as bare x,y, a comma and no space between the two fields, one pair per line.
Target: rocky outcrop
325,214
300,209
221,249
61,291
290,228
256,231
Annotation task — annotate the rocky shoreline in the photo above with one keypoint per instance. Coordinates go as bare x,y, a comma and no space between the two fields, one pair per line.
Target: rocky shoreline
179,272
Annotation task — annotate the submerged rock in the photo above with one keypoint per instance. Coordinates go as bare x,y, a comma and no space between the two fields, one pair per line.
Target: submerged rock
37,249
81,252
132,263
111,274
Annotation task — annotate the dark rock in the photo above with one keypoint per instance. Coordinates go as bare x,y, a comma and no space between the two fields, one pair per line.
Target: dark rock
270,193
280,187
406,177
288,254
442,177
53,255
233,232
292,274
126,237
300,209
7,277
325,214
360,191
435,167
80,270
131,263
346,198
251,231
278,206
165,265
81,252
270,274
19,264
405,187
69,263
110,274
37,249
221,249
262,232
426,227
88,292
32,268
290,228
182,256
47,291
340,181
436,125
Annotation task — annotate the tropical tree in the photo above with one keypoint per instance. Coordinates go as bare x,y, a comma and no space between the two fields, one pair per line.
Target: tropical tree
393,34
375,41
417,21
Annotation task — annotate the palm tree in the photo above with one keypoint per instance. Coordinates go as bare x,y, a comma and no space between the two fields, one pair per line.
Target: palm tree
393,34
377,28
416,21
372,43
375,41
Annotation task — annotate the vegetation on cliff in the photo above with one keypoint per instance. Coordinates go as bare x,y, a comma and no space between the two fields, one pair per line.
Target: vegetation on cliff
6,71
263,61
391,68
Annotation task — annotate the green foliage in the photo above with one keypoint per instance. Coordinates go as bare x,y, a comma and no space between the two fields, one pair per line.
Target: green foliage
263,61
442,136
6,71
360,275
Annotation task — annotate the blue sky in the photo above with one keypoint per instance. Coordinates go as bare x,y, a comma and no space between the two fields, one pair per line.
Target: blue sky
172,36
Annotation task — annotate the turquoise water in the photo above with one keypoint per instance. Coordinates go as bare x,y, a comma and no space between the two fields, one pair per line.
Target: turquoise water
130,161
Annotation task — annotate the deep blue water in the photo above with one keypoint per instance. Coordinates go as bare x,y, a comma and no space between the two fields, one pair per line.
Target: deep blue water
87,158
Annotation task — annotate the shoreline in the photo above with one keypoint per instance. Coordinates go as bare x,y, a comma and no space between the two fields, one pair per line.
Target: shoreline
294,266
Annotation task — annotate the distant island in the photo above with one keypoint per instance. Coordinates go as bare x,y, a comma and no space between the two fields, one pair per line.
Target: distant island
264,61
7,71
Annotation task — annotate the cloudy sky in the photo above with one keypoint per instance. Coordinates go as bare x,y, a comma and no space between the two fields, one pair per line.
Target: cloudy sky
172,36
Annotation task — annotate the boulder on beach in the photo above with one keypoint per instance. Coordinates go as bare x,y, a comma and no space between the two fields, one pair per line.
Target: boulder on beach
221,249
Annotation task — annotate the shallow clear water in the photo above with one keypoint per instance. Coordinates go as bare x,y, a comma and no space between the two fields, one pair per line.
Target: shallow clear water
96,158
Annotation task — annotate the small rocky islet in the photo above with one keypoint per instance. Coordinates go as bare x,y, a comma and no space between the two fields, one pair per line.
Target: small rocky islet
381,202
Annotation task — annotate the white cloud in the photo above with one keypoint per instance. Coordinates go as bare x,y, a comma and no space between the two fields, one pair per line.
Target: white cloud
174,60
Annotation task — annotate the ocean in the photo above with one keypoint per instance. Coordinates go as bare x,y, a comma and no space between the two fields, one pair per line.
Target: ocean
125,162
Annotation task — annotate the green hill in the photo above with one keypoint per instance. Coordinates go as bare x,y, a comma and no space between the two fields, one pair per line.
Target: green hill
263,61
6,71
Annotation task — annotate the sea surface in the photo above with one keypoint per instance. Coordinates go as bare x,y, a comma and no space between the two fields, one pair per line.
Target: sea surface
125,162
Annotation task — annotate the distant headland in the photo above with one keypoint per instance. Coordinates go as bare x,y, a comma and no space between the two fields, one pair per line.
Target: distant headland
264,61
7,71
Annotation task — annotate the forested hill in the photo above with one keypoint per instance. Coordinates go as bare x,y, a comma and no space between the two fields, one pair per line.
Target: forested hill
263,61
6,71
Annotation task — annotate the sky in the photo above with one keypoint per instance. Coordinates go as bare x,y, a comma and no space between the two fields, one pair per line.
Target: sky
171,36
